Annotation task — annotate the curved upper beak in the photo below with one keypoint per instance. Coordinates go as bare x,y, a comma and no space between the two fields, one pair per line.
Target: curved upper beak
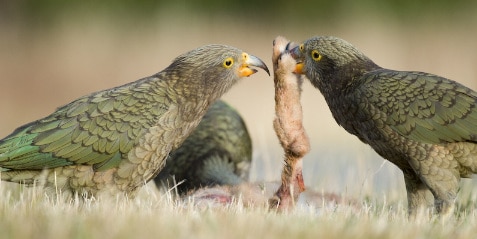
300,58
248,61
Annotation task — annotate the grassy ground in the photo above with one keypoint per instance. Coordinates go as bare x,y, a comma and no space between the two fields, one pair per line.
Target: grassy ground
29,213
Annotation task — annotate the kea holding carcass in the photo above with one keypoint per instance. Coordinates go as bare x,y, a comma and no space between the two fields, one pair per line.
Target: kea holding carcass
423,123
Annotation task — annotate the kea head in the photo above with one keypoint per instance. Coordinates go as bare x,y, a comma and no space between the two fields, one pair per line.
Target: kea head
214,68
330,62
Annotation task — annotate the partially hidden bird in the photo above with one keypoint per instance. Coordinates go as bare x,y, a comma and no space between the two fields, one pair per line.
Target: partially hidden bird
114,141
423,123
217,152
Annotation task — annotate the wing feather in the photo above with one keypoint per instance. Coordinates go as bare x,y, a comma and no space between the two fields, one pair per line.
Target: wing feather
423,107
97,129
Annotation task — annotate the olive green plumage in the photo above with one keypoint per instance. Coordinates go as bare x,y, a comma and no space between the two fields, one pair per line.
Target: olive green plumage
218,152
423,123
117,139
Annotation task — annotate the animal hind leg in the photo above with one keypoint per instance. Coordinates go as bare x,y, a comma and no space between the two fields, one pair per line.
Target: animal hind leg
440,172
444,184
419,196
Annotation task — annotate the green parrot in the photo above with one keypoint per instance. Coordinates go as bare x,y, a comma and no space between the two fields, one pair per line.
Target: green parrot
116,140
217,152
423,123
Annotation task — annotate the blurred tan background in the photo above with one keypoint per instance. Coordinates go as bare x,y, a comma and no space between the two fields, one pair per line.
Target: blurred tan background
52,52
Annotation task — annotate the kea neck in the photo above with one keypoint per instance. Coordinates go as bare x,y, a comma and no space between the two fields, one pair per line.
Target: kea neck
192,86
342,80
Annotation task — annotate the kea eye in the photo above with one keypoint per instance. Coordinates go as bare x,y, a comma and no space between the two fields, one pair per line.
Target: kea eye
228,62
302,47
315,55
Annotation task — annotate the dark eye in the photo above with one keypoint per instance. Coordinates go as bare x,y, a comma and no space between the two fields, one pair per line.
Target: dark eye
315,55
228,62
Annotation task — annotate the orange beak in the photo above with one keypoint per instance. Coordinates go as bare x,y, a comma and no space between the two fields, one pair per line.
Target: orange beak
250,60
298,56
299,68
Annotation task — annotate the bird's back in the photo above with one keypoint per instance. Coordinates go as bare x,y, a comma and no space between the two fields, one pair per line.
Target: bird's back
89,130
95,134
393,109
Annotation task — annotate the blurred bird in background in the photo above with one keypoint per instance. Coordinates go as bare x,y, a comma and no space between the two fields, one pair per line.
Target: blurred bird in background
218,152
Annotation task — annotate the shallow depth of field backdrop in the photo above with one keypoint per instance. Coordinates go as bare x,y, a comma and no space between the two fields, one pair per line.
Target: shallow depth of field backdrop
54,51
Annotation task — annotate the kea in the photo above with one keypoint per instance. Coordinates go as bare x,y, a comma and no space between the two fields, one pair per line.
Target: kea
114,141
217,152
423,123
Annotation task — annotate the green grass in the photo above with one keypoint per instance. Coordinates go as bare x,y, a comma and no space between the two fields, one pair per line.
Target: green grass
31,213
